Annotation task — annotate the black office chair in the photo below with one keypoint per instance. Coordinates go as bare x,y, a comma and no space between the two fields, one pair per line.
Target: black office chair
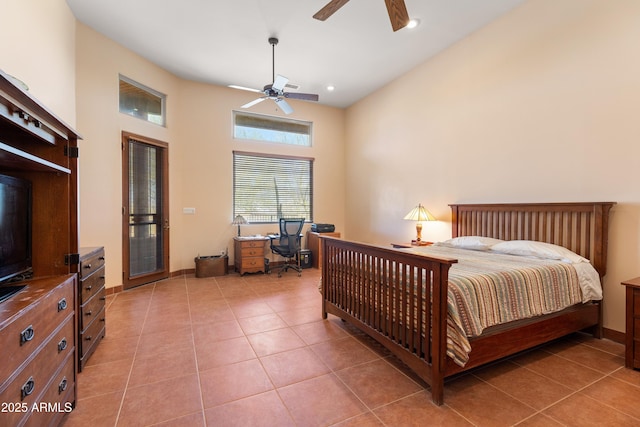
288,244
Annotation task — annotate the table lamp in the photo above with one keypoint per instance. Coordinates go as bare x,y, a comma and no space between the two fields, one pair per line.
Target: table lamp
239,220
419,213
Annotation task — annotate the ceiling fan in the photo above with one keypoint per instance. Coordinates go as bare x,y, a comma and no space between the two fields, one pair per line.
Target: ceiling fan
396,8
275,90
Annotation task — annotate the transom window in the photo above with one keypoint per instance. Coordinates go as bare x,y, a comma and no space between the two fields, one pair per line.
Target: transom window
142,102
261,127
268,187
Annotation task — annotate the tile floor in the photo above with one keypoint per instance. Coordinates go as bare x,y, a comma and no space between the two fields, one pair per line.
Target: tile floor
254,351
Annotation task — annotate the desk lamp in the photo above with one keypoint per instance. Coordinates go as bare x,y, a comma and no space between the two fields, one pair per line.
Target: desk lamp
239,220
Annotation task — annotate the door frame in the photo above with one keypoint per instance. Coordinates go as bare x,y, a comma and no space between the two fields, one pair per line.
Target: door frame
127,280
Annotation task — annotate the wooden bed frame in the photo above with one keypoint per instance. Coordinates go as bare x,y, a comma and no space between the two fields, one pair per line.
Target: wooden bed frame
357,286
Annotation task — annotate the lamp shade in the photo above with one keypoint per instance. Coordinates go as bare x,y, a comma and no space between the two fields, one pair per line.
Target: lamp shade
419,213
239,220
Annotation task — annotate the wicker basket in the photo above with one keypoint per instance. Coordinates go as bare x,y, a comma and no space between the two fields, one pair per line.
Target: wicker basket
209,266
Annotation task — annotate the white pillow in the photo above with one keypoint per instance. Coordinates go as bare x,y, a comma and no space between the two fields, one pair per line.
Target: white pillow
478,243
537,249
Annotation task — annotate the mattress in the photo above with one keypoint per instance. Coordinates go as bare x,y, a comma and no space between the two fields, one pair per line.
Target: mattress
488,289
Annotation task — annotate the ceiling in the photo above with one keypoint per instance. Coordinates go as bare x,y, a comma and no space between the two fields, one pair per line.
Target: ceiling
225,42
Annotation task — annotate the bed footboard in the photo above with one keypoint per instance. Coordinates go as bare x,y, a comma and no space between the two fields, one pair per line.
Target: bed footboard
397,298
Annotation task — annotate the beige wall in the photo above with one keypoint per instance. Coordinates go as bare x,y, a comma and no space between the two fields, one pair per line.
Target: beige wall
99,62
199,134
206,167
38,47
541,105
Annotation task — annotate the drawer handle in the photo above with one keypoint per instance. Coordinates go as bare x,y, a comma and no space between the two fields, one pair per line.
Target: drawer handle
101,258
88,288
103,298
27,335
62,386
27,388
88,338
88,313
62,304
62,345
87,266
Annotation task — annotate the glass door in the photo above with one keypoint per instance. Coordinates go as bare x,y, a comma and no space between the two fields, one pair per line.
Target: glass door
145,211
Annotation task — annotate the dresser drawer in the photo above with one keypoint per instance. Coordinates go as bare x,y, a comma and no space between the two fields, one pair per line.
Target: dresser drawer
91,285
247,244
25,334
636,302
90,310
252,264
28,385
91,262
252,252
93,334
58,396
636,353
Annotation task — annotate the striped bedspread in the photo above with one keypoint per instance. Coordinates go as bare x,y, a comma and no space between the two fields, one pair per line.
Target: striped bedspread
487,289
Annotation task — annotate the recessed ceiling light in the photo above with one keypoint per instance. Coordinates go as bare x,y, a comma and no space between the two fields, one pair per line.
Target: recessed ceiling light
330,88
413,23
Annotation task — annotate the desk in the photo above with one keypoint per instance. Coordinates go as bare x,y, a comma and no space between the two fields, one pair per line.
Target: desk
314,245
249,254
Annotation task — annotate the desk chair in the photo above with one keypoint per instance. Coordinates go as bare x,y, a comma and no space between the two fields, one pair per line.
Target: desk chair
288,244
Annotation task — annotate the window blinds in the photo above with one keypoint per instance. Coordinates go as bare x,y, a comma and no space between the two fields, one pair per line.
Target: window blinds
269,187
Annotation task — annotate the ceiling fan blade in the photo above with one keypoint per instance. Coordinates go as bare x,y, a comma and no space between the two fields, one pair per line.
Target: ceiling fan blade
254,102
397,13
303,96
279,83
245,88
331,8
284,106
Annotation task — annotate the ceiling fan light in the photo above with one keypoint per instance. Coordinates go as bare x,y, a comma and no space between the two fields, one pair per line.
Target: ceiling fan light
330,88
275,90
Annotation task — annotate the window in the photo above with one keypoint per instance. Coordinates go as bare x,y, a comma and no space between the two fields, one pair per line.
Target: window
268,187
259,127
142,102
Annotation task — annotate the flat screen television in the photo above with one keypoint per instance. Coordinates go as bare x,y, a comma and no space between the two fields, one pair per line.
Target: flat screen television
15,227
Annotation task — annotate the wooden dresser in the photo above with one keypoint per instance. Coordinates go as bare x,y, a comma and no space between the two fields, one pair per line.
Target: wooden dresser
249,254
315,246
632,334
37,338
38,326
91,301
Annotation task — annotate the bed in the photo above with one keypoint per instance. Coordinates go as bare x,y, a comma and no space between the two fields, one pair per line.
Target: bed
400,297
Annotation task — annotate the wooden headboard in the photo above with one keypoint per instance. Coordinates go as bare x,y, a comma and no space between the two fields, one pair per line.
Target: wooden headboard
580,227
